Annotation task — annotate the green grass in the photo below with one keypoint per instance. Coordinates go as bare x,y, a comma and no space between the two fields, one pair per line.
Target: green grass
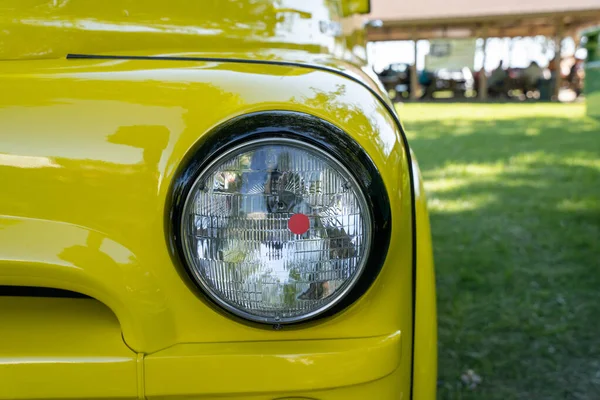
514,197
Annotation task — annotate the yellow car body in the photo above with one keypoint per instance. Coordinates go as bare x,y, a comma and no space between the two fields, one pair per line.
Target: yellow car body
101,102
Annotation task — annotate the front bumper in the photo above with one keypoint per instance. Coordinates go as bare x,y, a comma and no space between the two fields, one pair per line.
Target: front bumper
386,388
279,368
72,349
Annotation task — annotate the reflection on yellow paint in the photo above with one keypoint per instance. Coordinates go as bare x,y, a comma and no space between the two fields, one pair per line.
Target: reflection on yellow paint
64,360
102,26
18,161
306,360
51,29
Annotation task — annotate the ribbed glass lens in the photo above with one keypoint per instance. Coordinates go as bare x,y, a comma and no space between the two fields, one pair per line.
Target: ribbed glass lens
276,231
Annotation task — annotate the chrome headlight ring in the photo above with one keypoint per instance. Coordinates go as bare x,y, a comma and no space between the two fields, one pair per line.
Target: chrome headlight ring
255,244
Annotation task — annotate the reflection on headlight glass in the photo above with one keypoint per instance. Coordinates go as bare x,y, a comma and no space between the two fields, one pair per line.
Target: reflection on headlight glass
277,231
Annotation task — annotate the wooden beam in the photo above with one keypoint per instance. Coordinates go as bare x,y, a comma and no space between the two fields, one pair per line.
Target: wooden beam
430,33
492,19
532,25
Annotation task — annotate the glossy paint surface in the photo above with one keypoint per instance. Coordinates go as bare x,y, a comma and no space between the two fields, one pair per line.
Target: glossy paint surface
63,348
89,152
34,29
281,367
425,343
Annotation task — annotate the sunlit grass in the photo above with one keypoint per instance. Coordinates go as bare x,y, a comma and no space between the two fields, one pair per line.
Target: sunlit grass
463,204
514,194
440,112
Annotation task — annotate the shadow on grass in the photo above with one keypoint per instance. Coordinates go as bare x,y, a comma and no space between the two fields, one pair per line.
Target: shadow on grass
515,213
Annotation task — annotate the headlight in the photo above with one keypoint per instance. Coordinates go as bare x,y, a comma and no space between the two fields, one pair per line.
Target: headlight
277,230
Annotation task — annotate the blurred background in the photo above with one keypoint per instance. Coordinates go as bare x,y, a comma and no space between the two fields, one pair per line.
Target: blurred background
501,103
464,49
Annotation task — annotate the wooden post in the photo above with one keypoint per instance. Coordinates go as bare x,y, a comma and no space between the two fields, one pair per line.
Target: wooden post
483,87
557,58
414,79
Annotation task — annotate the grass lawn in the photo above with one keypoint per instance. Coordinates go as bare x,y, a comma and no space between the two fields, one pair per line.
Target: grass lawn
514,197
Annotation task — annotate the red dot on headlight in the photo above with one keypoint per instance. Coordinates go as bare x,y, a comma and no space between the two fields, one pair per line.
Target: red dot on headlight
299,224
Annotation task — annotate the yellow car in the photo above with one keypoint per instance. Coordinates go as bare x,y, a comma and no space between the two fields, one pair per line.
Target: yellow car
206,199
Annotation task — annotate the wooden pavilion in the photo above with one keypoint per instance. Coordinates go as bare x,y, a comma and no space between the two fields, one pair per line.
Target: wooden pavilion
437,19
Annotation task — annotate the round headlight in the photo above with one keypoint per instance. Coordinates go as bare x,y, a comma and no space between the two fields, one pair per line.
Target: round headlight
276,230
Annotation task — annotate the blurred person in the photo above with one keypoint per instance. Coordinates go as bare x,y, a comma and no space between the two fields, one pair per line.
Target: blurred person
426,80
533,74
409,87
476,80
496,83
575,76
552,68
574,68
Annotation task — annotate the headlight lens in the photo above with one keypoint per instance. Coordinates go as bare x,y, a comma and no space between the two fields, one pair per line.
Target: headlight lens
276,230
